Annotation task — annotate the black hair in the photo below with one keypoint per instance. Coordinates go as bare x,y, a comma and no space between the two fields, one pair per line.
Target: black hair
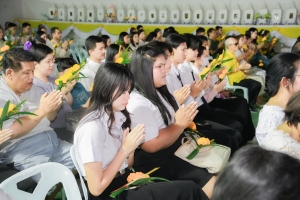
53,29
90,42
105,38
255,174
292,111
298,40
174,40
157,30
209,31
39,40
38,34
64,63
282,65
40,51
6,25
111,78
2,39
10,25
150,36
250,31
140,31
218,27
12,59
40,27
131,35
192,42
248,36
296,48
111,51
132,30
138,27
200,30
25,24
141,66
161,45
263,33
121,38
201,49
202,38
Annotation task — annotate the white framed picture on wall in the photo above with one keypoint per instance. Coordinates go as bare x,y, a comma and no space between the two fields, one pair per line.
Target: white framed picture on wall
222,17
210,16
198,16
235,17
174,15
248,17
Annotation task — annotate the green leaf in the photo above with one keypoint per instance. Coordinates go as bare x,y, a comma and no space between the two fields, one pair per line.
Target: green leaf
18,120
193,154
22,113
227,60
5,110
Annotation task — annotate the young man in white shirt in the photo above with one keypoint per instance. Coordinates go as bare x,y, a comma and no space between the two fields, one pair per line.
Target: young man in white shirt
96,49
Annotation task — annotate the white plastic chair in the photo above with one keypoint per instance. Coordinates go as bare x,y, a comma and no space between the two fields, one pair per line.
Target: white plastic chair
84,189
234,87
51,174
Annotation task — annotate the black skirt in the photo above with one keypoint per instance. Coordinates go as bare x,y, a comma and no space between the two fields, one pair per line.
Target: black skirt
175,190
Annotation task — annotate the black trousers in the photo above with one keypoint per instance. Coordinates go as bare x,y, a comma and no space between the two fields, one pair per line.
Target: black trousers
27,185
253,89
238,109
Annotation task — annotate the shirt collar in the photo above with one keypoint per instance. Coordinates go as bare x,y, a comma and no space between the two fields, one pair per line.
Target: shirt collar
119,119
94,65
174,70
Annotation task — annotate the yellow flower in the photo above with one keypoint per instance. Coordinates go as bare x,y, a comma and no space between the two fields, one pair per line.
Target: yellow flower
10,108
119,60
192,126
70,42
203,141
4,48
136,175
1,57
126,18
264,39
55,45
92,87
204,71
133,18
12,43
106,15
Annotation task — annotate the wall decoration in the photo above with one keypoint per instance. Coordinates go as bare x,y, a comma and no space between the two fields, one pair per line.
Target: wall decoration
131,14
62,13
163,15
210,16
290,16
248,17
100,14
91,14
52,13
71,13
121,14
152,15
235,17
186,15
276,16
141,14
175,15
222,17
81,14
198,15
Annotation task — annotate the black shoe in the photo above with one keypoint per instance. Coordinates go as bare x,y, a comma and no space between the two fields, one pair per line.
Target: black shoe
252,109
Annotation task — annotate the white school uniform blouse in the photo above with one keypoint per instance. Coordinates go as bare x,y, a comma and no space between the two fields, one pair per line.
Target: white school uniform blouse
173,83
93,142
143,111
90,69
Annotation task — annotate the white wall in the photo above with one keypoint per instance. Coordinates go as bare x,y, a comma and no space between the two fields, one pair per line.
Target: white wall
33,9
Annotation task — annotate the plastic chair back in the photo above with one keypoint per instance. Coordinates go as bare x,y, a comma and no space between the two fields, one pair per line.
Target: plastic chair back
234,87
51,173
84,189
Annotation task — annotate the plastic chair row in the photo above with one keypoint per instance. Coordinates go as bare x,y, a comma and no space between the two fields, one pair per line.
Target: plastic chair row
235,87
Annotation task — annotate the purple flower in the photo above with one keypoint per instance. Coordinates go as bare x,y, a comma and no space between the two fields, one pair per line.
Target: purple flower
27,45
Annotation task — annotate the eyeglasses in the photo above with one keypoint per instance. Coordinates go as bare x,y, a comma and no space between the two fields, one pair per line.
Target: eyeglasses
234,44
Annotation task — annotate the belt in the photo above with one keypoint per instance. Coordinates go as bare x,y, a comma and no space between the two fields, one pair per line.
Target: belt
120,173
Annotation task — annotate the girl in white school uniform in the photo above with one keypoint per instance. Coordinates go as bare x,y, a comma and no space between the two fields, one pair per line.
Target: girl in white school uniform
104,145
176,79
152,104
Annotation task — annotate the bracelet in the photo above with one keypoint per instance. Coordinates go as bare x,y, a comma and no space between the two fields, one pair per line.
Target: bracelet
126,153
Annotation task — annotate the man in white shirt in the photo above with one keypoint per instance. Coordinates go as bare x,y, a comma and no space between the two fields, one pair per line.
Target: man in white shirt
33,142
96,49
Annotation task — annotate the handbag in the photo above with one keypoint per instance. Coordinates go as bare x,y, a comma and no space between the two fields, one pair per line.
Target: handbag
214,158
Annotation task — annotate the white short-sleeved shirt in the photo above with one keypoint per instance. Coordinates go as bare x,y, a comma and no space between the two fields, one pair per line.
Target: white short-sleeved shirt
33,101
278,140
143,111
89,71
173,83
94,143
269,118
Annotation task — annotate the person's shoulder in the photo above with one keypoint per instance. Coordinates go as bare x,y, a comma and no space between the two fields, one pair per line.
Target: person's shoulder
138,100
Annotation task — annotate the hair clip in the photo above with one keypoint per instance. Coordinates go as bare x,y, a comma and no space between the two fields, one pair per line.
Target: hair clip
27,45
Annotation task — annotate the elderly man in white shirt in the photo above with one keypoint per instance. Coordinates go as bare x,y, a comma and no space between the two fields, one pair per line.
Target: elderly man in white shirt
96,49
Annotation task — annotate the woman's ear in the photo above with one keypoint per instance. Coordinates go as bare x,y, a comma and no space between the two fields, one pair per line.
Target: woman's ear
285,82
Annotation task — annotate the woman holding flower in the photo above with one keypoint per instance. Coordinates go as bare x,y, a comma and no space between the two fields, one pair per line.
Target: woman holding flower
111,144
46,83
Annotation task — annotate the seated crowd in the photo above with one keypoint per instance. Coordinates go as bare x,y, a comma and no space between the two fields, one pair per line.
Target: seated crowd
120,116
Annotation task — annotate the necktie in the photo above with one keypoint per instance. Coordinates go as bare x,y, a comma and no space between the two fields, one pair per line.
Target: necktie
179,78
